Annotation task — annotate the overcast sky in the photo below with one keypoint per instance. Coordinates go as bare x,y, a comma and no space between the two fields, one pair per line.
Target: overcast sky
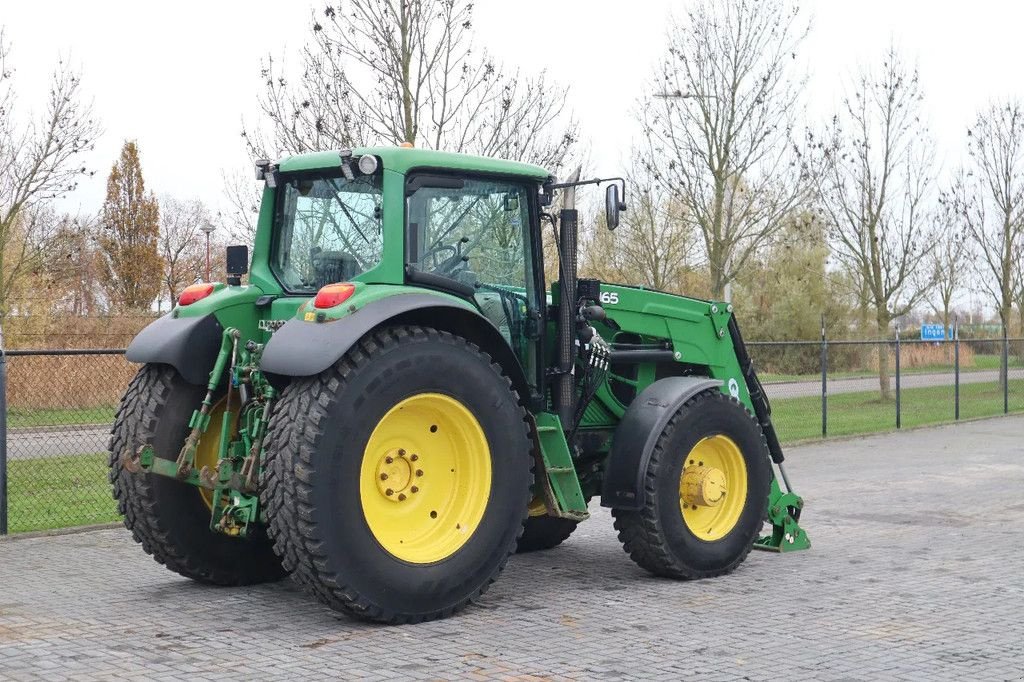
180,77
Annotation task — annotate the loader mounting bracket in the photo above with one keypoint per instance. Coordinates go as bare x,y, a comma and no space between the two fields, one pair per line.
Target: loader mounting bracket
783,513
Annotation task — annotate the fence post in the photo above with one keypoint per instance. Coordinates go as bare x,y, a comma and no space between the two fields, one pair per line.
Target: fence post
956,369
1006,371
3,435
899,416
824,380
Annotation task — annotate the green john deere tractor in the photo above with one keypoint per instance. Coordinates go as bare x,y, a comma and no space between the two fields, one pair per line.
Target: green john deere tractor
394,403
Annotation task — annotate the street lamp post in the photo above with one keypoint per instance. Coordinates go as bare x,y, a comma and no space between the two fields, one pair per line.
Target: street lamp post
207,228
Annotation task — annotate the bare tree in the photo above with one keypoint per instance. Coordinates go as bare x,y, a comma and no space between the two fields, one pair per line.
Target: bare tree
719,124
654,245
71,268
243,196
876,170
1019,296
391,71
39,161
949,260
182,243
991,200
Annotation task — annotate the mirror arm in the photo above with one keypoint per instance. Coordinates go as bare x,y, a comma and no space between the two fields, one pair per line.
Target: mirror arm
595,181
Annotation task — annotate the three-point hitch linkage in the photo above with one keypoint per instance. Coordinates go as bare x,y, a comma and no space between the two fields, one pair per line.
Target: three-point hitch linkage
234,479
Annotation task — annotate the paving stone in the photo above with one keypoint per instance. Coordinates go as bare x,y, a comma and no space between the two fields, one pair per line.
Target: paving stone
916,574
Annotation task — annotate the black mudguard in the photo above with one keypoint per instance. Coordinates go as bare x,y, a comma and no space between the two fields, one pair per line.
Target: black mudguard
188,344
637,434
302,349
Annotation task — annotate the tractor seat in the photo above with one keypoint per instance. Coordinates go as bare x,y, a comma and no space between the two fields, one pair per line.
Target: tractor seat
489,303
334,266
494,310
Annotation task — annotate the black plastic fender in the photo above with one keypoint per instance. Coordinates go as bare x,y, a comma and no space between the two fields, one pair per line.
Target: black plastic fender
302,349
637,434
188,344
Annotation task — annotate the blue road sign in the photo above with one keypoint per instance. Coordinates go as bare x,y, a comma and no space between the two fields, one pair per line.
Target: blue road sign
933,332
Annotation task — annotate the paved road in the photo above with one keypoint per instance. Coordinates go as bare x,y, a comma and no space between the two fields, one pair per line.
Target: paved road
916,573
25,443
799,389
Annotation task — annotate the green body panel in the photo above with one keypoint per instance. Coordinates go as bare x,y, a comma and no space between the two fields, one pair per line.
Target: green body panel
366,294
260,275
696,331
234,307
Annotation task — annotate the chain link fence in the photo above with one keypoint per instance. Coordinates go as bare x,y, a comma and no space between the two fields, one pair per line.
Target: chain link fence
60,405
840,388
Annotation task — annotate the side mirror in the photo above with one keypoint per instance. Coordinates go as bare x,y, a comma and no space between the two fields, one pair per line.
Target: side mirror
612,206
237,263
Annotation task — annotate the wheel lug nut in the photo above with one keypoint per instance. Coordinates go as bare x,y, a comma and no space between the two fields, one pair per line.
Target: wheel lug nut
401,496
389,492
383,477
389,460
415,489
401,453
414,457
419,472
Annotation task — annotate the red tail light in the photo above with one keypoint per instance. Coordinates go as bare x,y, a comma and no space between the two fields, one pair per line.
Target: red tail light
333,294
195,292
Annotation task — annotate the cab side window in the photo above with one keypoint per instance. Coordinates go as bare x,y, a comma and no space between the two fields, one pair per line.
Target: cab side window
477,232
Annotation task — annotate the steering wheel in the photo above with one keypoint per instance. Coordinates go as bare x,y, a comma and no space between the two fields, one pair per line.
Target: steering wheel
435,253
449,264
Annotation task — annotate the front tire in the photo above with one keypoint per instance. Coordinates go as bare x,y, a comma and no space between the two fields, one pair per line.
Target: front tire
705,492
170,519
397,480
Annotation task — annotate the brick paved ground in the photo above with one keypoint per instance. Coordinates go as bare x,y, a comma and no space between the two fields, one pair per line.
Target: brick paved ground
916,573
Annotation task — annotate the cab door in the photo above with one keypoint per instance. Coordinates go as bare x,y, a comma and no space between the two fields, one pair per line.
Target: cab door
479,233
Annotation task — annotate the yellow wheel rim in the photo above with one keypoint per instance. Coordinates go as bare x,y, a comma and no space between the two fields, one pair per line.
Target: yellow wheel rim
425,478
208,448
538,507
713,487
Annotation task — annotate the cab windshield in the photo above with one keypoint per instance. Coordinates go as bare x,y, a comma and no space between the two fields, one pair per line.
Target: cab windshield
326,229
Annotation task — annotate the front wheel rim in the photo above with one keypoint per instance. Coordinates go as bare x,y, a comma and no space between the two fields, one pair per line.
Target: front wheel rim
425,478
713,487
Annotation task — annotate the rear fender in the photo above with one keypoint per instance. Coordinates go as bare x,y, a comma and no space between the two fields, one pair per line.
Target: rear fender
188,344
303,349
637,434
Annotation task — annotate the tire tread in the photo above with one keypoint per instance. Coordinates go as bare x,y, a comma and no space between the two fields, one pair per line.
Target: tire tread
290,471
640,532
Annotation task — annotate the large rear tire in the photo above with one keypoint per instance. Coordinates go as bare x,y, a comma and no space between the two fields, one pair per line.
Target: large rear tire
542,531
168,518
705,492
397,480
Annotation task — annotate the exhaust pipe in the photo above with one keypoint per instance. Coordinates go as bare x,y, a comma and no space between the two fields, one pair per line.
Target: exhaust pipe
565,386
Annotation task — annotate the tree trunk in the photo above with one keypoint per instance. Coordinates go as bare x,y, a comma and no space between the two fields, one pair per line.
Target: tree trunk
947,332
884,387
1005,316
